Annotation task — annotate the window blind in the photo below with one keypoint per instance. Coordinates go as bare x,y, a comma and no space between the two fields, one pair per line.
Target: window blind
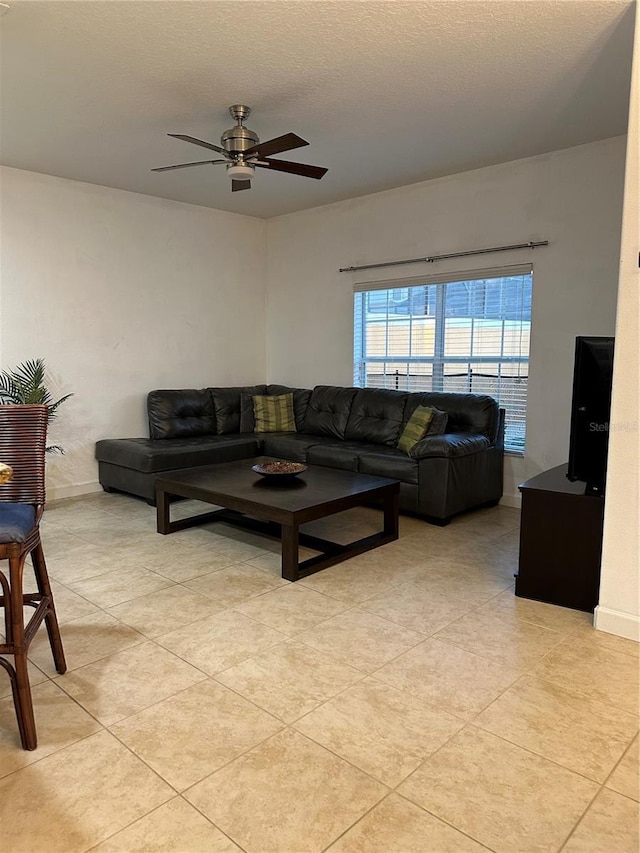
451,333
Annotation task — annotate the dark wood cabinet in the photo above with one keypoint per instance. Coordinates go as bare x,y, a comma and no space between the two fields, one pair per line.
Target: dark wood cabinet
560,541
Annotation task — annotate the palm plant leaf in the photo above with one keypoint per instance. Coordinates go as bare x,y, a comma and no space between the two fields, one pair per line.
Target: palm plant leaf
25,384
53,406
8,388
29,379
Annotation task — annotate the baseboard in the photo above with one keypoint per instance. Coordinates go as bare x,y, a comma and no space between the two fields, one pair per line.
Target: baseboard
615,622
58,493
514,501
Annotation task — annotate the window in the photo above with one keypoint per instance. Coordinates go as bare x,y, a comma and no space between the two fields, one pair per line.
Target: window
454,335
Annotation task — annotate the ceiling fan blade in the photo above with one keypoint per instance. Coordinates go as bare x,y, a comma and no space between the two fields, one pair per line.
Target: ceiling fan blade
195,141
236,186
276,146
294,168
186,165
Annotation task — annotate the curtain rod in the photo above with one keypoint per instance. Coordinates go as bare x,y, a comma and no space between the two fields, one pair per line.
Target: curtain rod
433,258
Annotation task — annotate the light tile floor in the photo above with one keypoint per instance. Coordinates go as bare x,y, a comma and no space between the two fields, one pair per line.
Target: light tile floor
401,702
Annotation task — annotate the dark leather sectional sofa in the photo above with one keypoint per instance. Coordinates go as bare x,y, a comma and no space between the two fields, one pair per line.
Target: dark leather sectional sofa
355,429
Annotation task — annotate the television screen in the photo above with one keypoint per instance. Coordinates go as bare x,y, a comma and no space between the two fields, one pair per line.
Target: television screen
590,408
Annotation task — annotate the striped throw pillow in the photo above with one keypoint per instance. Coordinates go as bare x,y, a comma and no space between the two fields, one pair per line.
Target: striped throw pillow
416,428
274,413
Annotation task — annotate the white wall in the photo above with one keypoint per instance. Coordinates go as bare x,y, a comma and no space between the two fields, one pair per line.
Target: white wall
619,609
573,198
122,293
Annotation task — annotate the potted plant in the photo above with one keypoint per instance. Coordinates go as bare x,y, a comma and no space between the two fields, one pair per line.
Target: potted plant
25,384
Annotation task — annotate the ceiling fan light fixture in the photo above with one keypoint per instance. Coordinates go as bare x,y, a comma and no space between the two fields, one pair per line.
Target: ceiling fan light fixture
240,171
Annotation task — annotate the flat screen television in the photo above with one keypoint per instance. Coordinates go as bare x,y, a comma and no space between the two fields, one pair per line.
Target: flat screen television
590,409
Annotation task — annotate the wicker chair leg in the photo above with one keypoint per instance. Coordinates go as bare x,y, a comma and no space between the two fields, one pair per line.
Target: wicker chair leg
51,620
16,705
20,683
23,703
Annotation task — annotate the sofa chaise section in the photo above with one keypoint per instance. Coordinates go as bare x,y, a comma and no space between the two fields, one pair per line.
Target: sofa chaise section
183,434
131,464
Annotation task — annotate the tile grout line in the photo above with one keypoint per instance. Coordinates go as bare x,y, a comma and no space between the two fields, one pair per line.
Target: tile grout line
581,818
530,751
617,764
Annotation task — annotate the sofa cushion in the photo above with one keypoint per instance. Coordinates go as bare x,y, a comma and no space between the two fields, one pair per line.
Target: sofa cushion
226,403
476,413
16,521
376,416
247,418
152,456
389,462
180,414
415,428
288,445
328,410
301,397
273,413
439,422
336,454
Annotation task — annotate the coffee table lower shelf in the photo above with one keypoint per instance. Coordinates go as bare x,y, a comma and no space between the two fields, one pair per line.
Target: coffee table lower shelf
292,570
281,523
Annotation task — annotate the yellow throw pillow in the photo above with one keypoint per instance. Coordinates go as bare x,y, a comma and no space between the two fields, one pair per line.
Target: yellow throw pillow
416,428
274,413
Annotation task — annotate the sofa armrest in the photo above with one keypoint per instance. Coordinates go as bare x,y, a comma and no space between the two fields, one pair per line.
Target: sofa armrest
450,444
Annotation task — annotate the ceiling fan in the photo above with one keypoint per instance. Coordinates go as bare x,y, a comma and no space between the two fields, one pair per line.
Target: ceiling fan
243,152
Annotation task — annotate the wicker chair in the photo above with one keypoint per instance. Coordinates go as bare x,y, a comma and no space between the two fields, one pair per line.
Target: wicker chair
23,431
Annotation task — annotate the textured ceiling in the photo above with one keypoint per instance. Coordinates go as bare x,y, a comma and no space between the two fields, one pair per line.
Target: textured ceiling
386,93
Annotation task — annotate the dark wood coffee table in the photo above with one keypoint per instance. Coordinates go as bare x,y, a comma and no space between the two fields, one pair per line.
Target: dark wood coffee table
279,508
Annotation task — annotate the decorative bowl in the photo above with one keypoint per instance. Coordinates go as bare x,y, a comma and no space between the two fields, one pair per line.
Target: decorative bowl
279,469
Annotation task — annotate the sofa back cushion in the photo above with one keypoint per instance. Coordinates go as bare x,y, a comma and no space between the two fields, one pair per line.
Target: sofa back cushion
186,413
226,403
247,417
328,410
475,413
376,416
